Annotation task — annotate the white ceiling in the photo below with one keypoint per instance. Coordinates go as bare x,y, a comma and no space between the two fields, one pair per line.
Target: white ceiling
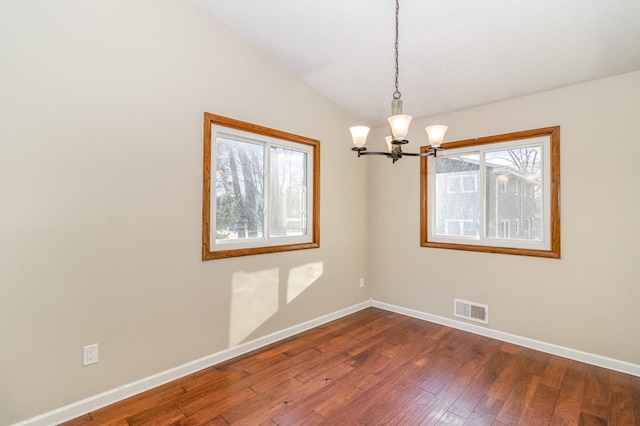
453,54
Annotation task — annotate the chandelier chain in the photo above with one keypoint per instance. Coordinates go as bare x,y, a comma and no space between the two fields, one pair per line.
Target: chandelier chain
397,94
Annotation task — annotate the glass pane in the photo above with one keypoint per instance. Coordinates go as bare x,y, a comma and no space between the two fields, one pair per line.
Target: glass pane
514,193
239,185
457,199
288,208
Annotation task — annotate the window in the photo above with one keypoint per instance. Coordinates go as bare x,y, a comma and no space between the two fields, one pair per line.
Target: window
513,206
505,228
503,180
470,183
528,190
460,227
461,183
261,190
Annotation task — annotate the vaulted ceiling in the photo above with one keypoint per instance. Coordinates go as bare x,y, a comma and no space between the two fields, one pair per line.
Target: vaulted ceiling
453,54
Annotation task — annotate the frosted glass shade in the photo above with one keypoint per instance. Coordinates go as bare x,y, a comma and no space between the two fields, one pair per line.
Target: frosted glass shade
435,134
399,125
359,135
389,144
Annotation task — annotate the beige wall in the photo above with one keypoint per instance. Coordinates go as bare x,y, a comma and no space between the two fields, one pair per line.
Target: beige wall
588,300
101,107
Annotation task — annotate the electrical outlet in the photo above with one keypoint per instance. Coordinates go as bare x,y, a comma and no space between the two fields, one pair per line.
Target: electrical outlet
362,282
90,354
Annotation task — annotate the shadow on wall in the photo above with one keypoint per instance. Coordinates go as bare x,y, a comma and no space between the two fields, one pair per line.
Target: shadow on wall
255,296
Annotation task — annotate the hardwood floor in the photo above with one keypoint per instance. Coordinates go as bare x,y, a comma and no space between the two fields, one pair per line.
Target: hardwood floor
377,368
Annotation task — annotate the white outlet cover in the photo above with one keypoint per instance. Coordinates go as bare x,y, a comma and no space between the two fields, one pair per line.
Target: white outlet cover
90,354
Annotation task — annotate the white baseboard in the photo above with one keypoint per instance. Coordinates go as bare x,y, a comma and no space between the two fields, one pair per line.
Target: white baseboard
95,402
114,395
576,355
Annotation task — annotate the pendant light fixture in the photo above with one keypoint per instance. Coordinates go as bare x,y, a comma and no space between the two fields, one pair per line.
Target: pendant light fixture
399,124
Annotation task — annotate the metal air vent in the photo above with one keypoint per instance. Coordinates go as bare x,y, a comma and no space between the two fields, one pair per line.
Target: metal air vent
471,311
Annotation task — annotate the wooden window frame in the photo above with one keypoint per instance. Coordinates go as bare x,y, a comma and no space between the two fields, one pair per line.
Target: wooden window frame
314,233
554,196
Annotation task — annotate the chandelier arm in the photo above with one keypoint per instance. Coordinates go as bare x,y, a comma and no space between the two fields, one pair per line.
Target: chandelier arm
431,152
419,154
374,153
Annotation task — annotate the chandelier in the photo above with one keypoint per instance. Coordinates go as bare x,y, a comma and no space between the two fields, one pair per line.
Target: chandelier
399,123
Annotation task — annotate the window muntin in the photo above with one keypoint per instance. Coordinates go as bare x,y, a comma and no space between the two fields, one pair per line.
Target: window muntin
262,195
516,207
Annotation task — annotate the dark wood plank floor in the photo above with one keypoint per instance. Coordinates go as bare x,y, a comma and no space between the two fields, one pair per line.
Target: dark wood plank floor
380,368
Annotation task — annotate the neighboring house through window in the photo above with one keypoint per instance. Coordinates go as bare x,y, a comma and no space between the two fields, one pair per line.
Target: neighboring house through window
497,194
